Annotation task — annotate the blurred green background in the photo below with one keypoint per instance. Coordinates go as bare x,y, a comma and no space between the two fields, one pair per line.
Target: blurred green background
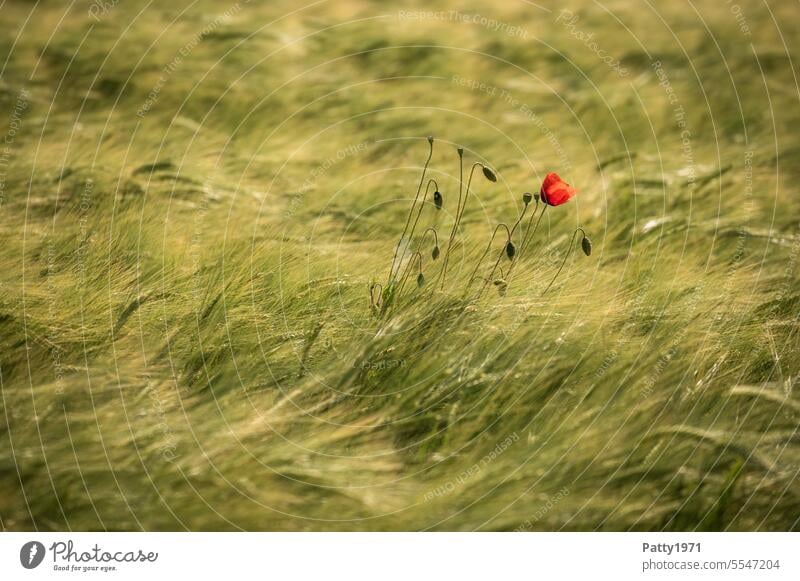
194,198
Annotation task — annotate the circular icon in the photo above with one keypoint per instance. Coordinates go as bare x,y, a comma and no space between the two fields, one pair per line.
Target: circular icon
31,554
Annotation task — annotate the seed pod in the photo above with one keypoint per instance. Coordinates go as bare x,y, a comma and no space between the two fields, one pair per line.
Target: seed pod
527,197
586,246
460,151
435,252
437,199
420,279
489,174
430,139
536,197
510,250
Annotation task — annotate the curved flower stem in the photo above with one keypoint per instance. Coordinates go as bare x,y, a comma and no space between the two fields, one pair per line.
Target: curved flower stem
494,269
410,212
529,234
567,255
457,223
466,192
416,220
435,235
407,270
500,256
485,252
521,216
443,272
419,212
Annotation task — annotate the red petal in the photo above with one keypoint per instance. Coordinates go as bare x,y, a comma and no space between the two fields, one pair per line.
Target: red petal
560,194
549,180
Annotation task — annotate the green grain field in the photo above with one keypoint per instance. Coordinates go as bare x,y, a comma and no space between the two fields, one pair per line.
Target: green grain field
195,198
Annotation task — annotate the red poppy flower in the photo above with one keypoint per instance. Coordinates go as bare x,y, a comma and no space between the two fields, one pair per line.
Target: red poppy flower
556,191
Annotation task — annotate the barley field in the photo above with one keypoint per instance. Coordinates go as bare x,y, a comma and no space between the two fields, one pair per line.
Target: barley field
201,327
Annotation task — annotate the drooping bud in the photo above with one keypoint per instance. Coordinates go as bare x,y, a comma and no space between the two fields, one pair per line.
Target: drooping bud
527,197
420,279
489,174
586,246
437,199
435,252
510,250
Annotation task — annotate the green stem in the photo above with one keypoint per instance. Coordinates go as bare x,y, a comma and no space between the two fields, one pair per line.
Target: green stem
521,216
500,256
491,274
435,235
411,212
567,255
408,270
529,234
485,252
446,258
457,223
419,212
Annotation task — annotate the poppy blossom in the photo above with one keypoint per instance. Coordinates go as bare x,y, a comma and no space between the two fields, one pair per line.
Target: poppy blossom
556,191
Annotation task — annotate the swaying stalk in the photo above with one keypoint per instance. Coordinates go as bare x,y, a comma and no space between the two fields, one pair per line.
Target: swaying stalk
529,234
407,270
460,210
410,213
443,272
485,252
500,255
567,255
419,212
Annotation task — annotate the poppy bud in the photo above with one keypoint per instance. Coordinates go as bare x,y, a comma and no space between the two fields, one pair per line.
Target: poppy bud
420,279
435,252
489,174
430,139
510,250
526,198
437,199
586,246
460,151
